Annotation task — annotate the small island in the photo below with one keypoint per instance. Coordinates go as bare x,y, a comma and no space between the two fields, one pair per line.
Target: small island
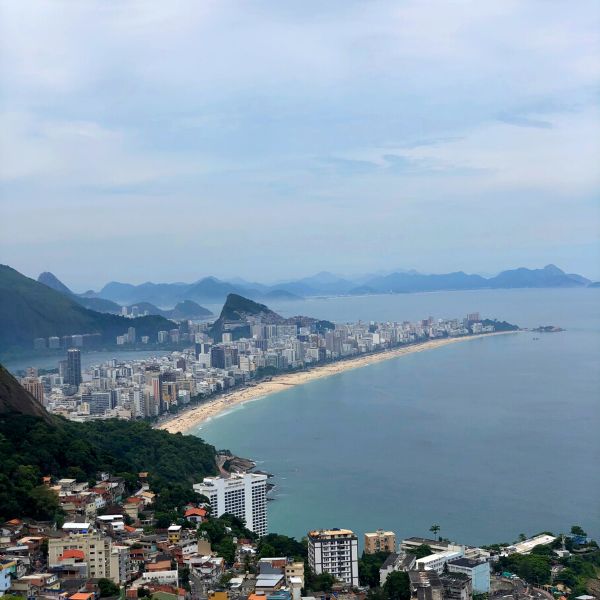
548,329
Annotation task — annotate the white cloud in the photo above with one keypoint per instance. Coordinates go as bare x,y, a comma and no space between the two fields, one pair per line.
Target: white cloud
242,113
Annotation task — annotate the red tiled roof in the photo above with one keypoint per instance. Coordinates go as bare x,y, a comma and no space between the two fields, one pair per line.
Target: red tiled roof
195,512
134,500
72,554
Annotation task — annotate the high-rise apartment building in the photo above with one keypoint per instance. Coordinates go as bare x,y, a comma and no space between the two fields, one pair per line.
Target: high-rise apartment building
334,551
243,495
73,375
380,541
131,335
35,387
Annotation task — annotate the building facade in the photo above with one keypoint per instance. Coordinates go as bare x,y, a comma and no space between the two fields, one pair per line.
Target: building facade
73,375
97,552
243,495
334,551
380,541
478,572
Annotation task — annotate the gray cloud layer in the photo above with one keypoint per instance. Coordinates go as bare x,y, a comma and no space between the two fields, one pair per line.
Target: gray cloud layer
169,140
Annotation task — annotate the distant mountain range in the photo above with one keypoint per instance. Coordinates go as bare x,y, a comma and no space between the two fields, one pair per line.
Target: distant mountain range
185,309
29,309
213,290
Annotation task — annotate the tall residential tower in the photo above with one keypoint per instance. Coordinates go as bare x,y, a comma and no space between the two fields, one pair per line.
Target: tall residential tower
243,495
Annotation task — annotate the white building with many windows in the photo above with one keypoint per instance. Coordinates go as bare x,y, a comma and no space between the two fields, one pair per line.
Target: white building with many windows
334,551
243,495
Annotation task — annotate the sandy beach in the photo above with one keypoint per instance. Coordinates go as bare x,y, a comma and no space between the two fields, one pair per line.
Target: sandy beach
197,414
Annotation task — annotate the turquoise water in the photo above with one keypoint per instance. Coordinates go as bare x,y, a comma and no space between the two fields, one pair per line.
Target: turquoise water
489,438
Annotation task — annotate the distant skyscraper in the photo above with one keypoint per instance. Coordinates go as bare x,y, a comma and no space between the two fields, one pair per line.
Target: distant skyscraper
131,335
73,376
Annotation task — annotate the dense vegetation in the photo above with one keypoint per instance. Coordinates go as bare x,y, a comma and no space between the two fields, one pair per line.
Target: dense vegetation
368,568
221,532
29,309
32,448
421,551
500,325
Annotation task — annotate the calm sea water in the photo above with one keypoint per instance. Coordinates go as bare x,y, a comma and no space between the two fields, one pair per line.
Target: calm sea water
489,438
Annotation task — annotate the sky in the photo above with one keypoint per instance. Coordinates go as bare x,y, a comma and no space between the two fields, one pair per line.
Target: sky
166,141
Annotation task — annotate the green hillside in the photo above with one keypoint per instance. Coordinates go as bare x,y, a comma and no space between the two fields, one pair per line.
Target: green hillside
34,446
29,309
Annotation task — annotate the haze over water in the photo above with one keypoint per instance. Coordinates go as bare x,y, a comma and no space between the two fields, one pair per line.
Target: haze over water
489,438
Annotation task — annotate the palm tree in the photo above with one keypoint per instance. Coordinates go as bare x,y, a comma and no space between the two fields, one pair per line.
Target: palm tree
435,529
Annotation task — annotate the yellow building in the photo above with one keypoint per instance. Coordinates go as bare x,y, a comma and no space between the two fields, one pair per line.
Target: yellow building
295,569
174,533
380,541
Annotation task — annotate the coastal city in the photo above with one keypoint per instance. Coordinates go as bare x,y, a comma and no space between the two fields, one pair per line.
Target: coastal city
299,300
252,348
111,541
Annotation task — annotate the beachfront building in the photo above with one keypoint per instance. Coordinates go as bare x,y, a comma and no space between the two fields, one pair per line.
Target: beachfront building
243,495
380,541
334,551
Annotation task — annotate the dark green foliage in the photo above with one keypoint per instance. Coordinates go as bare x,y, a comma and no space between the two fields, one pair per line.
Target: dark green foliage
368,568
220,533
500,325
274,544
29,309
323,326
397,586
107,588
32,448
543,550
532,568
577,530
317,583
226,549
266,372
236,307
422,551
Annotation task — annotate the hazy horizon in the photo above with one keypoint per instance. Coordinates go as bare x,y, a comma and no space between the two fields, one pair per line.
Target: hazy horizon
171,141
292,276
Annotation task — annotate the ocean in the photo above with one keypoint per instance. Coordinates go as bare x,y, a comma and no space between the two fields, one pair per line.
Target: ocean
488,438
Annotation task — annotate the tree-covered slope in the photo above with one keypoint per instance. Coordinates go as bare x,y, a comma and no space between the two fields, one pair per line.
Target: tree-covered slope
34,446
29,309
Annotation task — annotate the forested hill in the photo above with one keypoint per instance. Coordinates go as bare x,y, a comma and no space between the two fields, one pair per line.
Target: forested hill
34,446
29,309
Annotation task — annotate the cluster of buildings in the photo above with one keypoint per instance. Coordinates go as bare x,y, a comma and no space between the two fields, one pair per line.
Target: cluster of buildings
112,536
456,571
150,387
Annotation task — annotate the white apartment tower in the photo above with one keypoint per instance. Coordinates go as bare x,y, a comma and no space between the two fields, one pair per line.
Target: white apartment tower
334,551
243,495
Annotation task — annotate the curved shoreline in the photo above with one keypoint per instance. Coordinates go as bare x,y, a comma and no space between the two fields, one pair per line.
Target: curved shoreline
196,415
